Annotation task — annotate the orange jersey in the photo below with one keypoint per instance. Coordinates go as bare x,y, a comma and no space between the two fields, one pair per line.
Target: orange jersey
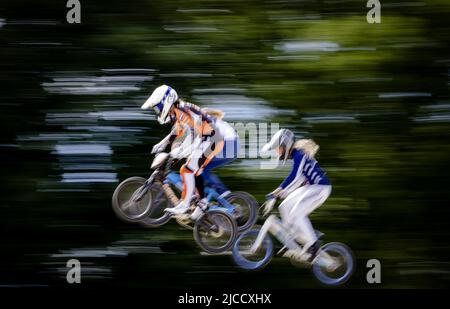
190,115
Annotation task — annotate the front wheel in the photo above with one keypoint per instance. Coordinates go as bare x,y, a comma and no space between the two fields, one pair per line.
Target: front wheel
124,202
157,216
334,264
248,260
215,231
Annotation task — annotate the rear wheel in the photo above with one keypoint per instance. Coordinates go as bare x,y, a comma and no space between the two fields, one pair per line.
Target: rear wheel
334,264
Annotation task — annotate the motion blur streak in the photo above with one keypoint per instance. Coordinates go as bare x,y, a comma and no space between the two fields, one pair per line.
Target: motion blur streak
375,97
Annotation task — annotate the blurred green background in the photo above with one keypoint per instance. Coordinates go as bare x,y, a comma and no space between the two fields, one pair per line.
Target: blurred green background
374,96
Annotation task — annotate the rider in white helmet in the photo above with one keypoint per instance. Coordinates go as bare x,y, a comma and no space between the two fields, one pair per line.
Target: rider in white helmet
206,134
304,190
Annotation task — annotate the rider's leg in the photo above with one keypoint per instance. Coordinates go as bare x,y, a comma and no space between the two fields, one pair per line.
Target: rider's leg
200,185
187,173
315,196
212,180
188,178
202,205
227,155
305,233
288,205
212,149
285,211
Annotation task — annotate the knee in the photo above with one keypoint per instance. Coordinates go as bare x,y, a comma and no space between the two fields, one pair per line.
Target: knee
325,194
328,192
194,164
185,169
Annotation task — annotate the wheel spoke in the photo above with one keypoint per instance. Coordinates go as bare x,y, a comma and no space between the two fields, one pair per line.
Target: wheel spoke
127,205
211,229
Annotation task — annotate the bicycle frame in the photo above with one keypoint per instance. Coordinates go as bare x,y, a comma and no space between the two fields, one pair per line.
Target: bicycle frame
173,178
137,196
274,226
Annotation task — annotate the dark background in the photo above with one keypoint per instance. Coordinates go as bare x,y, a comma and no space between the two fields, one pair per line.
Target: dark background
374,96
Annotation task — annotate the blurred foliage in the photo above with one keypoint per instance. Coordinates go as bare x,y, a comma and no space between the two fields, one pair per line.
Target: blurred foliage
374,96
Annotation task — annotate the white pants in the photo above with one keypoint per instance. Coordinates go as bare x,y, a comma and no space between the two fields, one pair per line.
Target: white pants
200,157
294,210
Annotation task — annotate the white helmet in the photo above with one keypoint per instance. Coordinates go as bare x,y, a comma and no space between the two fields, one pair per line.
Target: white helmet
283,138
162,100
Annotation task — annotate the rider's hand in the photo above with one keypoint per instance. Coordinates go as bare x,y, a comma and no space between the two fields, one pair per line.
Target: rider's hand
159,147
274,194
268,206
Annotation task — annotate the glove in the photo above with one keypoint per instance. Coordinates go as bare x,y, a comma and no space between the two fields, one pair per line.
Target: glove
159,147
275,193
268,205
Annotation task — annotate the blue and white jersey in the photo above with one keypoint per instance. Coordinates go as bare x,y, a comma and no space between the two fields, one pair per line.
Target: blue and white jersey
304,169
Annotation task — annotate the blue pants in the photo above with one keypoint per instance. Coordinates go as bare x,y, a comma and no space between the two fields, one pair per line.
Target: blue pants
228,154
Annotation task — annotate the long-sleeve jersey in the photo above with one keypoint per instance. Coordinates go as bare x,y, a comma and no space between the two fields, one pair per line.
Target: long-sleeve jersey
191,118
304,169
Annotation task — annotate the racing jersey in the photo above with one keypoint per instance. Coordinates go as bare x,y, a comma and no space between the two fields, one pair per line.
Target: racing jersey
305,169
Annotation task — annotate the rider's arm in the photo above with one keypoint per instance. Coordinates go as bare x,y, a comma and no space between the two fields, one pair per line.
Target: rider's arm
165,141
171,136
293,176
